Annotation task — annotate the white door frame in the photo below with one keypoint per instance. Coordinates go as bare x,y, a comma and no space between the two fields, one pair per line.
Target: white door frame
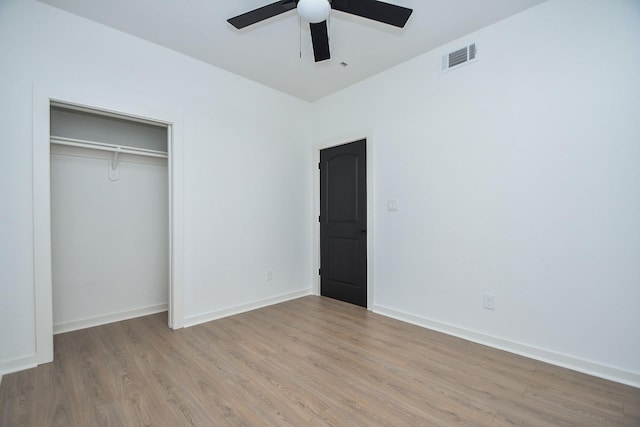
42,99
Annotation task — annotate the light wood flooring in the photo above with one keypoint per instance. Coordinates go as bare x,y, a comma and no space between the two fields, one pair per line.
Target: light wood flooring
308,362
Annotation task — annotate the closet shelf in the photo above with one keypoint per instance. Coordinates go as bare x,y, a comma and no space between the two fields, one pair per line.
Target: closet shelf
118,149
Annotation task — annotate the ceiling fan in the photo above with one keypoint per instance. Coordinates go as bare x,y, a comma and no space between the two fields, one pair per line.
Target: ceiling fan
316,13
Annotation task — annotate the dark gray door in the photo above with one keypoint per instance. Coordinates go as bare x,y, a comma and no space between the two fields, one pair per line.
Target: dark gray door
343,223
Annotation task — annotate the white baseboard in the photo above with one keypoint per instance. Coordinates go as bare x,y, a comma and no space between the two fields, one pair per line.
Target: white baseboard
107,318
226,312
554,358
19,364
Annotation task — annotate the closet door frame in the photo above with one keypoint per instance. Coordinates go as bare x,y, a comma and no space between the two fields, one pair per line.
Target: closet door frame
43,97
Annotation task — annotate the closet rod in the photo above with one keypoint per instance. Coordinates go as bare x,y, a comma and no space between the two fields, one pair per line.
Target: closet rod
58,140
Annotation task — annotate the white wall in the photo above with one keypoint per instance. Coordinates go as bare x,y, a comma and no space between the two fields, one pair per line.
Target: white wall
109,239
109,130
517,176
246,147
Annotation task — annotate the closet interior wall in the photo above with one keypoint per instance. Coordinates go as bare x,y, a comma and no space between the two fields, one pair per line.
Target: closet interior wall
109,219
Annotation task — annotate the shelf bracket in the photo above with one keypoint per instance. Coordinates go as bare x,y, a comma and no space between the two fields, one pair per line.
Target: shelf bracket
114,172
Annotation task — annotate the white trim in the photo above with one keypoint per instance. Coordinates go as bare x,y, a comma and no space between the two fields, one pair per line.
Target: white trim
231,311
43,98
175,145
16,365
42,228
108,318
346,138
543,355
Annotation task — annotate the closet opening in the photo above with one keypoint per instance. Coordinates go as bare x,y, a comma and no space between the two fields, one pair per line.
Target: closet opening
103,158
109,218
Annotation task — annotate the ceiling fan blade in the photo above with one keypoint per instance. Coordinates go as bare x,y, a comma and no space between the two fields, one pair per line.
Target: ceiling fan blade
372,9
320,39
262,13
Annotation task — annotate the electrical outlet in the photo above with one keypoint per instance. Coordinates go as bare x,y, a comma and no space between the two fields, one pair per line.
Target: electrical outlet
489,301
268,274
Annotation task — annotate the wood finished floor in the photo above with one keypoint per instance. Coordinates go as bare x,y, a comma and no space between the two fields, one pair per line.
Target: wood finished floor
308,362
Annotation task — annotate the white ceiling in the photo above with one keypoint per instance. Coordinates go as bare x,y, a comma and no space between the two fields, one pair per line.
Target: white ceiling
269,52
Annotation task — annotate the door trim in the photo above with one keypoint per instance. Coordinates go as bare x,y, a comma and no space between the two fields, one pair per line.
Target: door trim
43,97
355,136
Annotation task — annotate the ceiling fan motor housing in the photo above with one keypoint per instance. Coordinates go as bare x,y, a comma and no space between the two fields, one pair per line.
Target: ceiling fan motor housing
314,11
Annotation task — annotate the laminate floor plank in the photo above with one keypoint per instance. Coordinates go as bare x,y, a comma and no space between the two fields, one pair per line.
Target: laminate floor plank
168,369
241,351
307,362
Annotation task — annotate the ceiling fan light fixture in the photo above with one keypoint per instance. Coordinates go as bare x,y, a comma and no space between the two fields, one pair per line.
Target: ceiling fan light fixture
314,11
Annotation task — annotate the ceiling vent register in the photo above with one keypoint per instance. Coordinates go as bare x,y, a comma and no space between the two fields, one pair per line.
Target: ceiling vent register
460,57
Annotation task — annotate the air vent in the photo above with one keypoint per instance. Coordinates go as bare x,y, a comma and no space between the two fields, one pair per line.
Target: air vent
458,57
